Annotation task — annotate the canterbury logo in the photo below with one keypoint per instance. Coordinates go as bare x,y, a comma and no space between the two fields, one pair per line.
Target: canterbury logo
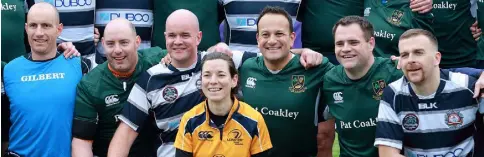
205,135
111,100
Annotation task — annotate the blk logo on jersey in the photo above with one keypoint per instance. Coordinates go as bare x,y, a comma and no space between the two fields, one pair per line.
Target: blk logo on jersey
423,106
250,83
338,98
111,100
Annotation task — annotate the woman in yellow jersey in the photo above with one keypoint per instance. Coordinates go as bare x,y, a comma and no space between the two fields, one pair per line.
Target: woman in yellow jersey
221,126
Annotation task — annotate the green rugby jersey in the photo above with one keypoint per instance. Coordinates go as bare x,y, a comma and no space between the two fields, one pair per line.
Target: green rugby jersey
354,105
209,13
288,102
318,18
451,25
101,96
390,20
13,24
480,21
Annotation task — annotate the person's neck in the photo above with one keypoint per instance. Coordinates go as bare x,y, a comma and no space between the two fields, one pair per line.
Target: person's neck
220,108
428,86
40,57
185,64
357,73
277,64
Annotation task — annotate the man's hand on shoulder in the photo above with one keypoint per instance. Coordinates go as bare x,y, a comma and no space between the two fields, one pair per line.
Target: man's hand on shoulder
476,31
69,50
309,58
421,6
478,86
221,47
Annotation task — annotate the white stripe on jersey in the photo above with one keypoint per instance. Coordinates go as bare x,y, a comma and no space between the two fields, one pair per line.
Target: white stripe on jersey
145,44
77,33
185,88
400,87
169,124
387,114
434,121
128,122
461,80
481,105
159,69
464,148
166,150
244,47
137,97
388,142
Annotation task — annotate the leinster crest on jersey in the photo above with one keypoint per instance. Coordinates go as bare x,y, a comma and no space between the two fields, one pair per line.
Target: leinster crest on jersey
396,17
170,94
378,87
454,119
297,84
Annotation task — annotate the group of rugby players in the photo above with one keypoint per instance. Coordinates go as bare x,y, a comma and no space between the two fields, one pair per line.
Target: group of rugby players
314,68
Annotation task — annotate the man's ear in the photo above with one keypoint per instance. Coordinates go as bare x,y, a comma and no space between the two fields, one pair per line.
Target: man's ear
60,27
438,57
199,37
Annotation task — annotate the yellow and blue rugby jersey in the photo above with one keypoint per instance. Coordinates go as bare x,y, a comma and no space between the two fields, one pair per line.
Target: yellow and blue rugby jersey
244,133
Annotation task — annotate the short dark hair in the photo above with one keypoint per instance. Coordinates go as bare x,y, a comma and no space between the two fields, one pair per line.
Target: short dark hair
232,69
415,32
364,24
275,10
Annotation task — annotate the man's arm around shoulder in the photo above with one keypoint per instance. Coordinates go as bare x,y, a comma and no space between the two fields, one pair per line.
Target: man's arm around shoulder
122,141
81,148
388,151
325,138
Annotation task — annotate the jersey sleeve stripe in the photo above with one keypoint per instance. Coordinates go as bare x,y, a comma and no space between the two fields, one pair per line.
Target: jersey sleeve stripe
247,131
387,114
159,69
260,141
237,57
249,125
128,122
389,142
481,105
137,97
195,122
461,79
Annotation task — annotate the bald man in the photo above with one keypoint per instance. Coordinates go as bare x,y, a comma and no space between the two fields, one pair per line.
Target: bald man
164,93
102,93
41,87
